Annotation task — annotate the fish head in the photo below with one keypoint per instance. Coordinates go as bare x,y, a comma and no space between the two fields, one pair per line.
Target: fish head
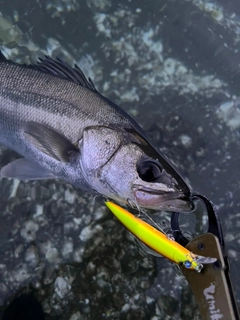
160,187
123,166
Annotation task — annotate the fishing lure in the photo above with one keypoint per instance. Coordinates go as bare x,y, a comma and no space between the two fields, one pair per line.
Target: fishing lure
158,241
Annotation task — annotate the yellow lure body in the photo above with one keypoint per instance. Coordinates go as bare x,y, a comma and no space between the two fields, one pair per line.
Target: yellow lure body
155,239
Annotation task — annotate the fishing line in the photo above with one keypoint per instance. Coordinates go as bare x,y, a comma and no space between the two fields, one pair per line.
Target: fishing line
153,222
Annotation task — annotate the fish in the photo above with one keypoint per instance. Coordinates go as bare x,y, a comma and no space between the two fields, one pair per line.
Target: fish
63,128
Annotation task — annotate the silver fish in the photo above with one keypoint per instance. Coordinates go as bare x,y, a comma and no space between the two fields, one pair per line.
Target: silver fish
54,117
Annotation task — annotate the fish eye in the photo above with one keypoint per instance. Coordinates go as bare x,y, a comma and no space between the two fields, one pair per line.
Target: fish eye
149,171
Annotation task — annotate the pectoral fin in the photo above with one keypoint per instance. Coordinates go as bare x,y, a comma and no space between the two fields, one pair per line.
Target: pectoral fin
24,169
49,141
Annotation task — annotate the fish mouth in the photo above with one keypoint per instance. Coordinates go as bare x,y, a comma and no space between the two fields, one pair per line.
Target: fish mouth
175,201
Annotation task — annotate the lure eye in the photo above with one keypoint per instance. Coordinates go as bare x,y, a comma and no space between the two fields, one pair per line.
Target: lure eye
187,264
149,171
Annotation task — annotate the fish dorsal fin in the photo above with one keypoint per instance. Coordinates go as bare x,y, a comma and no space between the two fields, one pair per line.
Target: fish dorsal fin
61,69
